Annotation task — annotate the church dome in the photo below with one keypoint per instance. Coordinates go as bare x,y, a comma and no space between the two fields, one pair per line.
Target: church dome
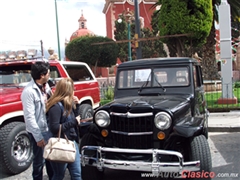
82,30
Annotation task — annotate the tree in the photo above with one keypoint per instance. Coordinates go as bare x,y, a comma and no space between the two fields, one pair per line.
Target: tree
150,48
121,33
209,64
184,17
83,49
210,70
235,30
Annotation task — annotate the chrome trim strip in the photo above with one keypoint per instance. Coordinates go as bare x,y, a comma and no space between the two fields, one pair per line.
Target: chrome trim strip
132,133
131,115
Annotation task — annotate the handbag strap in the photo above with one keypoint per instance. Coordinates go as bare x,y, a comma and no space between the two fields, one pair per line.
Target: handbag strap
62,111
59,134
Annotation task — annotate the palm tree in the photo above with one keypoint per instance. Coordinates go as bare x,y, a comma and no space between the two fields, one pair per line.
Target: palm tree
209,64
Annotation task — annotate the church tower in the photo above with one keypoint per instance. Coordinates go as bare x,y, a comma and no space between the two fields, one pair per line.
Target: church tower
82,28
82,22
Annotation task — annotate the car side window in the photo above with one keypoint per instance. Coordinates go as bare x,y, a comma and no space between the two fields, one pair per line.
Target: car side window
197,75
200,75
78,72
54,73
15,74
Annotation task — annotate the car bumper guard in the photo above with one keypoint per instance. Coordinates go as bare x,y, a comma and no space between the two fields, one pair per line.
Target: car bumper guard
155,166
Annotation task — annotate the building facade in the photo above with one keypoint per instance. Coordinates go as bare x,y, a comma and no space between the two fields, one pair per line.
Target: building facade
113,8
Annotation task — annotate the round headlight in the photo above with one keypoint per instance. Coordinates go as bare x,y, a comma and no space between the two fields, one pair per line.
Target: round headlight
102,118
162,120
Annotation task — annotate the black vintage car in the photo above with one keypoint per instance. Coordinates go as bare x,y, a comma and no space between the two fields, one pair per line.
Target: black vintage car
157,122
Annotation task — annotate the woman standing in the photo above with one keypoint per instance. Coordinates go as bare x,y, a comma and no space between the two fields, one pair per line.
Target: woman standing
62,108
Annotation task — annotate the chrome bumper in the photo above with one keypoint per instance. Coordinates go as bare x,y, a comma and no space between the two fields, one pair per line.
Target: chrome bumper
155,167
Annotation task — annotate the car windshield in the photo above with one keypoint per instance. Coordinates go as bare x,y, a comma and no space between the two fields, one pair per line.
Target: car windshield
17,77
20,75
160,77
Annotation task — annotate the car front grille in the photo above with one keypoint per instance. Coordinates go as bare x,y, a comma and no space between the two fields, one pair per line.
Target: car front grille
132,125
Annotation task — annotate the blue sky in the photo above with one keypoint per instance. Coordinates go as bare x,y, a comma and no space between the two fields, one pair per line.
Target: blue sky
26,22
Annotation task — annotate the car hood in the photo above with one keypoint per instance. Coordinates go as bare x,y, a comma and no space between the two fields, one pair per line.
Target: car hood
136,104
9,94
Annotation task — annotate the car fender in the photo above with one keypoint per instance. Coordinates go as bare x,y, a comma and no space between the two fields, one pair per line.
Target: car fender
10,115
89,98
189,127
95,132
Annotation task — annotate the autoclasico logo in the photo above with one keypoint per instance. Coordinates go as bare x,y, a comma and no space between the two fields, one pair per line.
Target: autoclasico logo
199,174
191,174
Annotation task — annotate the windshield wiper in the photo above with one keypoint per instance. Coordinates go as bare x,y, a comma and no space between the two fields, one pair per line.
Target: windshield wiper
155,78
144,84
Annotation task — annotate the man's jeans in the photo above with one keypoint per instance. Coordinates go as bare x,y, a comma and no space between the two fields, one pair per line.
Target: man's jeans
73,168
38,162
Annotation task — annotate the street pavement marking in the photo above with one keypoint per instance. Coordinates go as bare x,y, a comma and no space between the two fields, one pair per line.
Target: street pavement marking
216,155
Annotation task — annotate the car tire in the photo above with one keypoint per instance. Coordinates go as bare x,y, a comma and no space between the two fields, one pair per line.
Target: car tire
90,172
199,150
86,111
16,151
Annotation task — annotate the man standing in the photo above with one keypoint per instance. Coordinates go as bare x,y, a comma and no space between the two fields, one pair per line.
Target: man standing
34,98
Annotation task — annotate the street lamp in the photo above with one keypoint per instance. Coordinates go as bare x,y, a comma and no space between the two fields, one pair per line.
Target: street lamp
128,15
137,30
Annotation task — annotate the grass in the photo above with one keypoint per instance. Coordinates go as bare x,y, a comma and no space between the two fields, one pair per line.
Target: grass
212,98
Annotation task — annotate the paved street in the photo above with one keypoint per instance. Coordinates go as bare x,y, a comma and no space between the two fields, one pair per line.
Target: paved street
225,148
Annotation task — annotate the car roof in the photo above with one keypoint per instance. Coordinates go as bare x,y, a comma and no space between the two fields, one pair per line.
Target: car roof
72,62
35,59
158,61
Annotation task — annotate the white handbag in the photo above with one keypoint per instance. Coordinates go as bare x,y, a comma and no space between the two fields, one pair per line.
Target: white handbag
60,149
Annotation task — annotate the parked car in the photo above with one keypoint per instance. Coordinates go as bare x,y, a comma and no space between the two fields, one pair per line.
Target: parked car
157,122
15,149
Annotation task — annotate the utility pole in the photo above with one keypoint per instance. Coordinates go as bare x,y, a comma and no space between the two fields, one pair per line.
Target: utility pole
137,30
56,14
41,42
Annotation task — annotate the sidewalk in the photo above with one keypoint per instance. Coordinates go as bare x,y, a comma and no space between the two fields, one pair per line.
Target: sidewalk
224,122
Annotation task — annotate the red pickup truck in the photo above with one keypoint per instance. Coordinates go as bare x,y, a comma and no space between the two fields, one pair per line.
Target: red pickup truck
15,148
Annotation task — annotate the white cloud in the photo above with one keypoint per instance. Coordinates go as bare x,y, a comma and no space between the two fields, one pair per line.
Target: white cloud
26,22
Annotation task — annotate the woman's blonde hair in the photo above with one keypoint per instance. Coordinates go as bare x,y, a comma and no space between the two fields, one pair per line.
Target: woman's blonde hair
63,93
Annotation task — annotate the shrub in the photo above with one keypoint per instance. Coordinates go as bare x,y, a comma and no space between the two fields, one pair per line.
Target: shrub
237,84
109,93
104,101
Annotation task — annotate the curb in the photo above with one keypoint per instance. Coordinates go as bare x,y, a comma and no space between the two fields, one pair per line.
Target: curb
223,129
231,113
